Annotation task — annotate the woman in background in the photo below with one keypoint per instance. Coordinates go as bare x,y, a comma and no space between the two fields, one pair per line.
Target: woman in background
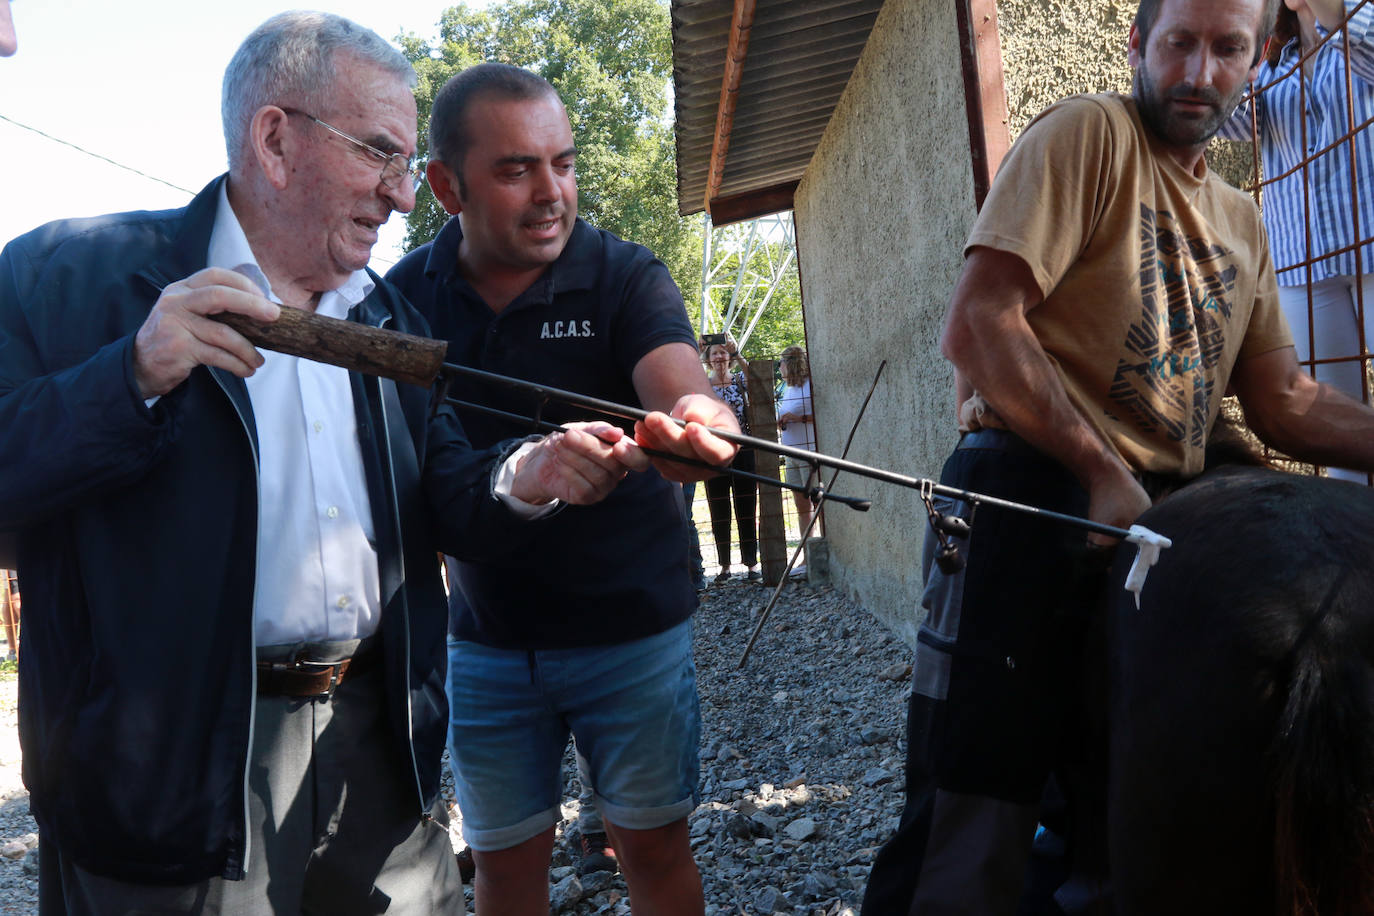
797,428
731,389
1321,196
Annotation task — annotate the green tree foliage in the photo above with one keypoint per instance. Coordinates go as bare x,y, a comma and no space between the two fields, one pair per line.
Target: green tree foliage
611,62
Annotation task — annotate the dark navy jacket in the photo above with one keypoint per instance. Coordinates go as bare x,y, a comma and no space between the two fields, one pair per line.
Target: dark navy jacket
598,575
137,551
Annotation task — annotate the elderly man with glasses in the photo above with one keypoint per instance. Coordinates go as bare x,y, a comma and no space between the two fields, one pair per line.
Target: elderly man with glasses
232,690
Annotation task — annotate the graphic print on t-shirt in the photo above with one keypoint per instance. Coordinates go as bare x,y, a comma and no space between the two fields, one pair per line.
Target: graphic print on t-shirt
1162,383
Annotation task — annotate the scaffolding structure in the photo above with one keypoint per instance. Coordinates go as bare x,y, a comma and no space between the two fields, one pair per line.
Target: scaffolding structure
742,267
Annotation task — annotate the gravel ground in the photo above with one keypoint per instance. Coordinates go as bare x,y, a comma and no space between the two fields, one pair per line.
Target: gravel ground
18,864
801,763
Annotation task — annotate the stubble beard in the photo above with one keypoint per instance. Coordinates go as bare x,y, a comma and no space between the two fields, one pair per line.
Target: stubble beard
1153,105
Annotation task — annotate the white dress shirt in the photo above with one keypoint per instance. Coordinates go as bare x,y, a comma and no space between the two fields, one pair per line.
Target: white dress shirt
317,564
317,576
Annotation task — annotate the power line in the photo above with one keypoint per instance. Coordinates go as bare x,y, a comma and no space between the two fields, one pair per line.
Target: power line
126,168
87,152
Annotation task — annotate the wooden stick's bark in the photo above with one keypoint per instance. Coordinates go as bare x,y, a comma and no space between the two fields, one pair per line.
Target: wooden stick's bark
357,347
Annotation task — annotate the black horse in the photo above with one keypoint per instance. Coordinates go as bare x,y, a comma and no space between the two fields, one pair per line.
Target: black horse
1241,703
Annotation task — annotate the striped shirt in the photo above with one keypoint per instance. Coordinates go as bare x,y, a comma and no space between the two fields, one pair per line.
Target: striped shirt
1328,176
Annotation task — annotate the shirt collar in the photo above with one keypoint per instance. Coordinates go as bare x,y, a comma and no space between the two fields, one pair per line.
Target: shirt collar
229,249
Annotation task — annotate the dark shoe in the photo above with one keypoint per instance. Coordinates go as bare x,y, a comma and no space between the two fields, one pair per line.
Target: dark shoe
722,576
754,575
597,854
467,866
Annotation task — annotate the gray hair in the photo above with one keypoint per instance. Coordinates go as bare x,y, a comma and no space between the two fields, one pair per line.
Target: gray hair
290,59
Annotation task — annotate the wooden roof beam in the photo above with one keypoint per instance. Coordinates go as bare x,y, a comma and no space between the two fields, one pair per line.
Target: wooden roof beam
741,23
752,204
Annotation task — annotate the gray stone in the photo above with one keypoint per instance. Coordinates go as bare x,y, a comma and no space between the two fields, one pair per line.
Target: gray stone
738,826
877,777
801,829
897,672
771,900
764,824
565,893
598,881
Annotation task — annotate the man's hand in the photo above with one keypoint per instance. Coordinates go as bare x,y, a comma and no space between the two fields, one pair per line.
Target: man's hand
1117,499
581,465
177,335
659,432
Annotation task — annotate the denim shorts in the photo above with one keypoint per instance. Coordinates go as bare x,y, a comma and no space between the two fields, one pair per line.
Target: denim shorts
632,706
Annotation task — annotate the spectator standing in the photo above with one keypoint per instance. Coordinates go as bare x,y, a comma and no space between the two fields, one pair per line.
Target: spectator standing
724,489
1323,197
797,428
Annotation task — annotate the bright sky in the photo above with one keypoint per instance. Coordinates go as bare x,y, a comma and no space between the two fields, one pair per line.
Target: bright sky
139,83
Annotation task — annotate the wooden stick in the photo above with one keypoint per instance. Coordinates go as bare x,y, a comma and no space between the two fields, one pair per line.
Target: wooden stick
357,347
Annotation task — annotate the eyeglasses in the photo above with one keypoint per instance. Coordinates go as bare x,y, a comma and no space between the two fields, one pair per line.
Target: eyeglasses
394,165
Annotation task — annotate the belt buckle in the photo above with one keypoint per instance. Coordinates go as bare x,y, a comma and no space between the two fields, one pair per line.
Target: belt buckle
300,663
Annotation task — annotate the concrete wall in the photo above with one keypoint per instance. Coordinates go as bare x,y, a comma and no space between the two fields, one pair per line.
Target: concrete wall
881,217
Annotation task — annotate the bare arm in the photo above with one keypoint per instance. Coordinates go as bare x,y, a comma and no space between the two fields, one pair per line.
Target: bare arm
1299,416
992,347
669,380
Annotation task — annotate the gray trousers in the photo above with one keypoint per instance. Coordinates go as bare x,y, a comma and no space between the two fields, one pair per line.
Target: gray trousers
333,827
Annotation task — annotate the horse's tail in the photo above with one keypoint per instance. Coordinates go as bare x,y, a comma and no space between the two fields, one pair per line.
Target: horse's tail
1324,758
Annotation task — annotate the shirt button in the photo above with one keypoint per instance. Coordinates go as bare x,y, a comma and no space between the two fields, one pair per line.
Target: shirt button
343,601
318,426
332,512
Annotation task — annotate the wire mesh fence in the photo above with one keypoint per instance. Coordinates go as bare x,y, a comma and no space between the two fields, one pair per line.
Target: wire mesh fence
1313,161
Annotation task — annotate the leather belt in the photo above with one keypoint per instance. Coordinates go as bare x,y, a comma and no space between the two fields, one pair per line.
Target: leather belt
307,678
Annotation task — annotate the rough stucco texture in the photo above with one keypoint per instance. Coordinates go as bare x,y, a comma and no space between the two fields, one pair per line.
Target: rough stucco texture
882,214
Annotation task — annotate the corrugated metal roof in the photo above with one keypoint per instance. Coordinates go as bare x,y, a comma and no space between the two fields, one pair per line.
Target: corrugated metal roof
800,56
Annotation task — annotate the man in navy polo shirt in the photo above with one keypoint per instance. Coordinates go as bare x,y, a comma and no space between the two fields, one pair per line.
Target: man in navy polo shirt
589,631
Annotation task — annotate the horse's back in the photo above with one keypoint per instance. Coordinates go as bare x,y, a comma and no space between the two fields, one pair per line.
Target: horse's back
1242,691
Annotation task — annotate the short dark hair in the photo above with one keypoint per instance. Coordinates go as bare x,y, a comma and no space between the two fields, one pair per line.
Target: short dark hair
1148,12
449,132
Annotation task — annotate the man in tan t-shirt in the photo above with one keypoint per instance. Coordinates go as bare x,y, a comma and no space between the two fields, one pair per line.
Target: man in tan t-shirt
1113,289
